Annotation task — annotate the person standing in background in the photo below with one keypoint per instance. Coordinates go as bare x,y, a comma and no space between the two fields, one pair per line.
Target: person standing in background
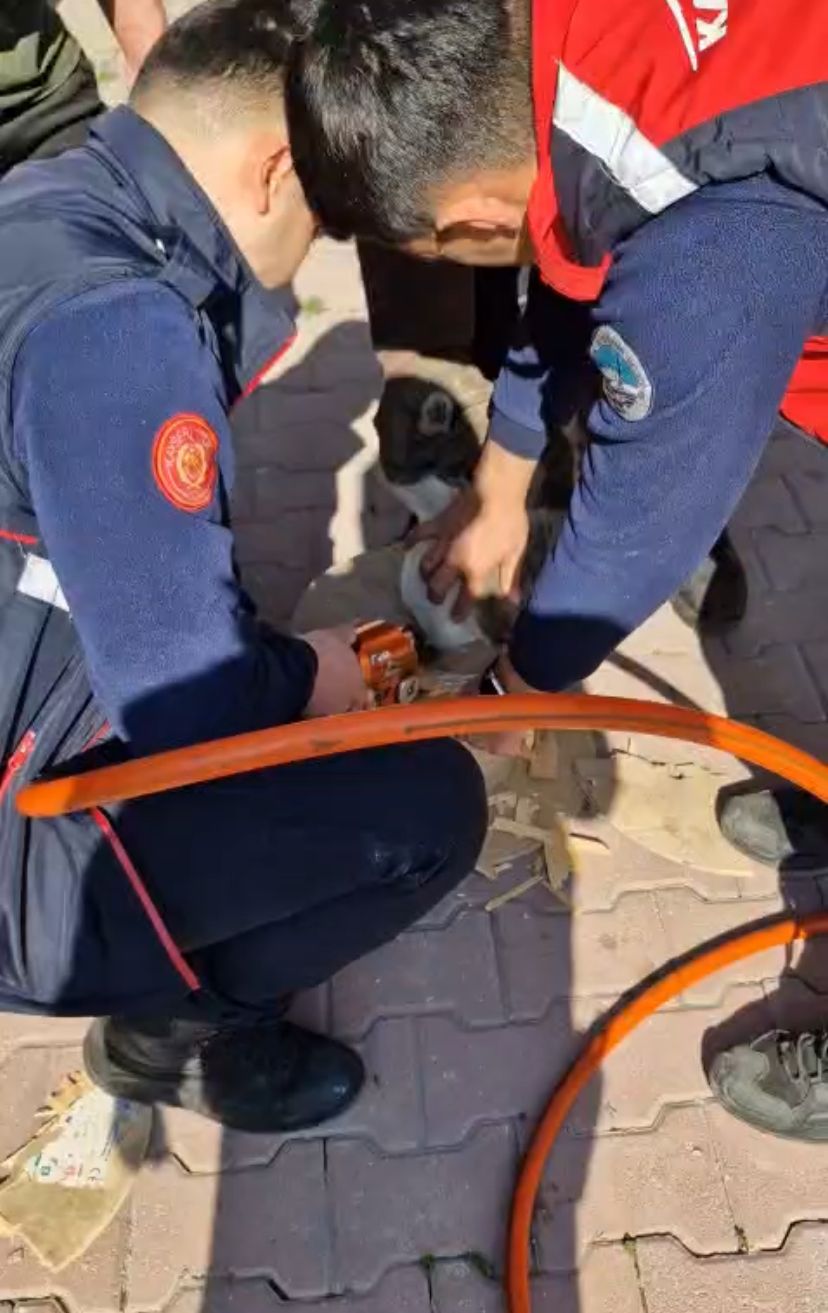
48,92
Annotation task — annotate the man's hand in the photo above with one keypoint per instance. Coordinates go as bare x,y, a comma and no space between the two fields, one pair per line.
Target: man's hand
339,684
439,572
137,25
481,537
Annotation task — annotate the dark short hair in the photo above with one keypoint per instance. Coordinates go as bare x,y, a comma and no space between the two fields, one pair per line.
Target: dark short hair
388,98
243,44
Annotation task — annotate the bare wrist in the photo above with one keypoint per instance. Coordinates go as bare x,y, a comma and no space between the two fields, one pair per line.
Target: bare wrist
501,476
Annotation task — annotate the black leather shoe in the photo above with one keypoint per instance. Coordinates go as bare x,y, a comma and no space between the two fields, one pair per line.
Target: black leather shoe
271,1077
715,596
778,827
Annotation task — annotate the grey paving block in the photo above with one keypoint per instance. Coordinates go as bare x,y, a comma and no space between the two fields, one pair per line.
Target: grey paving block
269,1222
409,1209
793,560
769,502
451,971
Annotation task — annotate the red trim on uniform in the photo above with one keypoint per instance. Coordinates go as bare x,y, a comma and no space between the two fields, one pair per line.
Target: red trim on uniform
805,403
26,539
17,761
670,66
259,375
640,55
166,940
551,243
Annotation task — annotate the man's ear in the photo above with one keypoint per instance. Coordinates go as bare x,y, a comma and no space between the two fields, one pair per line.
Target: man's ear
274,170
485,213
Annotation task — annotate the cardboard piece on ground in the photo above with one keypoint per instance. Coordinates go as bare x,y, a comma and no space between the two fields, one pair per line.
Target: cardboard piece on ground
500,900
63,1187
533,792
533,814
545,763
665,807
502,849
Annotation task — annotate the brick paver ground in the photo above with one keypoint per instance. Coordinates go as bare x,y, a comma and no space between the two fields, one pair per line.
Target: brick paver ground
655,1202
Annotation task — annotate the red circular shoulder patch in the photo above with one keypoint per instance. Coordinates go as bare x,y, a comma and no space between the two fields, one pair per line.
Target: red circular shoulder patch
184,462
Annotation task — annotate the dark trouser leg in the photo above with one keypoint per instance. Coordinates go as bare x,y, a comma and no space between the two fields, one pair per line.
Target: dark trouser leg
329,857
273,881
417,305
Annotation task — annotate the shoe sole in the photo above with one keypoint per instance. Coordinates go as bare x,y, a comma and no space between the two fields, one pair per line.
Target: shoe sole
757,1125
776,863
123,1084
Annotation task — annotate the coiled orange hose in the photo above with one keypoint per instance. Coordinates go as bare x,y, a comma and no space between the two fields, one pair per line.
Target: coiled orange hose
444,718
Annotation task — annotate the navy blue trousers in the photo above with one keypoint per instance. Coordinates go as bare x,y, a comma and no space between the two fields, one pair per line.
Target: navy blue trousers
268,882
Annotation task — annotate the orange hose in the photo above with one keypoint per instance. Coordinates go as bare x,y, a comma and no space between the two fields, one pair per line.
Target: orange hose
440,718
623,1019
452,716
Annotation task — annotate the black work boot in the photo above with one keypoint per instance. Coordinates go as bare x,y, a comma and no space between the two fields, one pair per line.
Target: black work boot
269,1077
780,827
715,596
779,1083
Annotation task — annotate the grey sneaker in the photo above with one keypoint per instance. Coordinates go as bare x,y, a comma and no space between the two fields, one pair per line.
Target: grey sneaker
779,1083
778,827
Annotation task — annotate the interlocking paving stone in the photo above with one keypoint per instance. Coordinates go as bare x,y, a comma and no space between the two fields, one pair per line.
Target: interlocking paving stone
771,1183
690,921
402,1291
472,1077
453,970
618,1185
93,1284
544,958
269,1222
391,1210
606,1280
674,1281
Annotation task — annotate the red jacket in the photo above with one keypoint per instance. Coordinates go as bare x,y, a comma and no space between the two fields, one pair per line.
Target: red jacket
640,102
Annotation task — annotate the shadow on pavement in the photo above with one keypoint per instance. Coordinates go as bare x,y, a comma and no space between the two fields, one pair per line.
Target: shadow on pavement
303,463
766,651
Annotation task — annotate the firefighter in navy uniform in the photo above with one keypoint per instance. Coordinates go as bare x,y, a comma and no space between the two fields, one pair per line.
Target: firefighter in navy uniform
662,166
134,311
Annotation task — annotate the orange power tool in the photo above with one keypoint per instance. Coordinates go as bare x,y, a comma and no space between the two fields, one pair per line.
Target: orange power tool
390,662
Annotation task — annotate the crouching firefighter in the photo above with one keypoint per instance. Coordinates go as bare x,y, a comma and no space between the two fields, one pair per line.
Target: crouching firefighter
134,311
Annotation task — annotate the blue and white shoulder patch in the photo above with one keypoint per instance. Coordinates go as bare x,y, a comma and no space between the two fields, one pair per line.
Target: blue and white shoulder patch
627,387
